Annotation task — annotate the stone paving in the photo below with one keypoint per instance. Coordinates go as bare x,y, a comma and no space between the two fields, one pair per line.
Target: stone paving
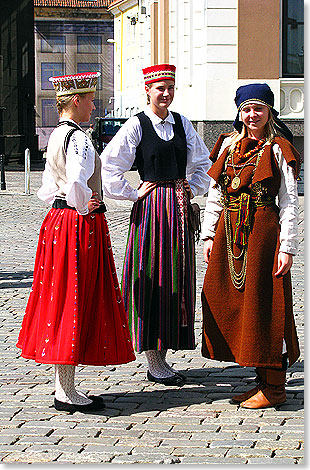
143,423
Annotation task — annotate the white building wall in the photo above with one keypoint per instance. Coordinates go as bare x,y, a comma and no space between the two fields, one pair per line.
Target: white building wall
203,44
132,53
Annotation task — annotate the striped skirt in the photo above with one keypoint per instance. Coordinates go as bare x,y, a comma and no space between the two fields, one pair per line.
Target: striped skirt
158,281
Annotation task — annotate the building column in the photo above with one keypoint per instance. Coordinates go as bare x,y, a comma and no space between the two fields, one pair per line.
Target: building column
163,26
154,33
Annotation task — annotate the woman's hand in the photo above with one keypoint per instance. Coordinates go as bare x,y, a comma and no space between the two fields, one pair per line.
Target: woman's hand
94,202
207,248
145,188
285,261
188,189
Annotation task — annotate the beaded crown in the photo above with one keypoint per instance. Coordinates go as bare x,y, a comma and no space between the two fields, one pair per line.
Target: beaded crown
77,83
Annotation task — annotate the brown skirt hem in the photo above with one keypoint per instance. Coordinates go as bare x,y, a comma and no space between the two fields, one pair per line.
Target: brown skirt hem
277,365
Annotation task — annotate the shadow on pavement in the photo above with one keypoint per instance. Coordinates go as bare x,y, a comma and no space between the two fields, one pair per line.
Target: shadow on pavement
15,280
209,386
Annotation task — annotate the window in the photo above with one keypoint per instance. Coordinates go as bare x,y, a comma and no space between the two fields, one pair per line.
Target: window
89,44
51,43
50,69
293,38
86,67
49,113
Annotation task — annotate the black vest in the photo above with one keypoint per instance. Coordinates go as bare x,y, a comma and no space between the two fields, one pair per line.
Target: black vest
160,160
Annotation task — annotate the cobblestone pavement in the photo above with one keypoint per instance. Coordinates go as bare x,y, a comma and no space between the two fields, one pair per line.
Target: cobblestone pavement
143,422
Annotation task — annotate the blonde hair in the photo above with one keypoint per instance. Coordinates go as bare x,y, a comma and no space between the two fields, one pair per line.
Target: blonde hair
270,132
64,102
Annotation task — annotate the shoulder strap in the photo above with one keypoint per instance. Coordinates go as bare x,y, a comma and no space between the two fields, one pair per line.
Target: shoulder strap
176,116
143,117
67,139
179,124
69,123
74,126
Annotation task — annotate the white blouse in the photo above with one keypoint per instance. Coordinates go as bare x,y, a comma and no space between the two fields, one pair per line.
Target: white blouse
119,155
80,164
287,202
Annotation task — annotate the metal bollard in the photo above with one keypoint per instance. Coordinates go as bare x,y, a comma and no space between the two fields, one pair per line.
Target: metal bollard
3,185
27,171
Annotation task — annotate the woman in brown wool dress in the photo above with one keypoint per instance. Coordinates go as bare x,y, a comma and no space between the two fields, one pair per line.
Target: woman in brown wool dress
249,244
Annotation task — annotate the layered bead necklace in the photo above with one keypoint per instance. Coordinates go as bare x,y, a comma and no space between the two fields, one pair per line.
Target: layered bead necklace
247,156
242,206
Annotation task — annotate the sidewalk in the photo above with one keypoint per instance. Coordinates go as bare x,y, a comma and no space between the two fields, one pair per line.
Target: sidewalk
143,423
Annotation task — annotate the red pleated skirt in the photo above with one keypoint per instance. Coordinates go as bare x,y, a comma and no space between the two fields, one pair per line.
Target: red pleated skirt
75,312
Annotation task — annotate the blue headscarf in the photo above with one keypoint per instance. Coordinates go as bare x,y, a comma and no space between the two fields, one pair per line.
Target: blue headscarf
262,93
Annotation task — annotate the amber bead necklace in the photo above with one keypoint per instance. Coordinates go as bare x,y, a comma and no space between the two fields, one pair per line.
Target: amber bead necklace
248,155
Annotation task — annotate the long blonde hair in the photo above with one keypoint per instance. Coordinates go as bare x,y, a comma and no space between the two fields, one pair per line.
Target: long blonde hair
270,132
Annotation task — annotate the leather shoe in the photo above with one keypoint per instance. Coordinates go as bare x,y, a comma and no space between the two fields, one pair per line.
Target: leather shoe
96,398
261,382
264,399
168,381
71,408
246,395
180,374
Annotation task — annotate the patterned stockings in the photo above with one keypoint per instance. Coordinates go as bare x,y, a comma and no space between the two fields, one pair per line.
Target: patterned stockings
163,354
158,366
65,388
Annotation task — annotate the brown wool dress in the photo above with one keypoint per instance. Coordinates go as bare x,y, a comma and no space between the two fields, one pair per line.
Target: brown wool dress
247,326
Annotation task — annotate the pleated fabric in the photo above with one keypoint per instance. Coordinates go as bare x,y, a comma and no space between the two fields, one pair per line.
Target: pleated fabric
158,281
75,312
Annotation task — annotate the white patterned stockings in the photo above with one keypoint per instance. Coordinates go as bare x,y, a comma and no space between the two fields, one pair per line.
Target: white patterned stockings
64,386
157,366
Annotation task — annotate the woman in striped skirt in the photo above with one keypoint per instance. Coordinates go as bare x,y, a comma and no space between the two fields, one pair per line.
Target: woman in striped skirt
159,267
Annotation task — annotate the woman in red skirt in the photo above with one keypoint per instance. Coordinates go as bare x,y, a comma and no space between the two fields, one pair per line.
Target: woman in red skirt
75,312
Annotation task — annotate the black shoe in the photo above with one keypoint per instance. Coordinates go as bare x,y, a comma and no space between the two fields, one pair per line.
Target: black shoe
71,408
96,398
174,380
183,376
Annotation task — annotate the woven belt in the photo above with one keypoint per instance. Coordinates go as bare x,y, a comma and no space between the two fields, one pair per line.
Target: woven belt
245,205
233,203
61,204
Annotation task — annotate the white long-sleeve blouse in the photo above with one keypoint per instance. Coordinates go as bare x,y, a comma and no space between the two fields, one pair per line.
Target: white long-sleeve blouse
287,202
119,155
80,164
